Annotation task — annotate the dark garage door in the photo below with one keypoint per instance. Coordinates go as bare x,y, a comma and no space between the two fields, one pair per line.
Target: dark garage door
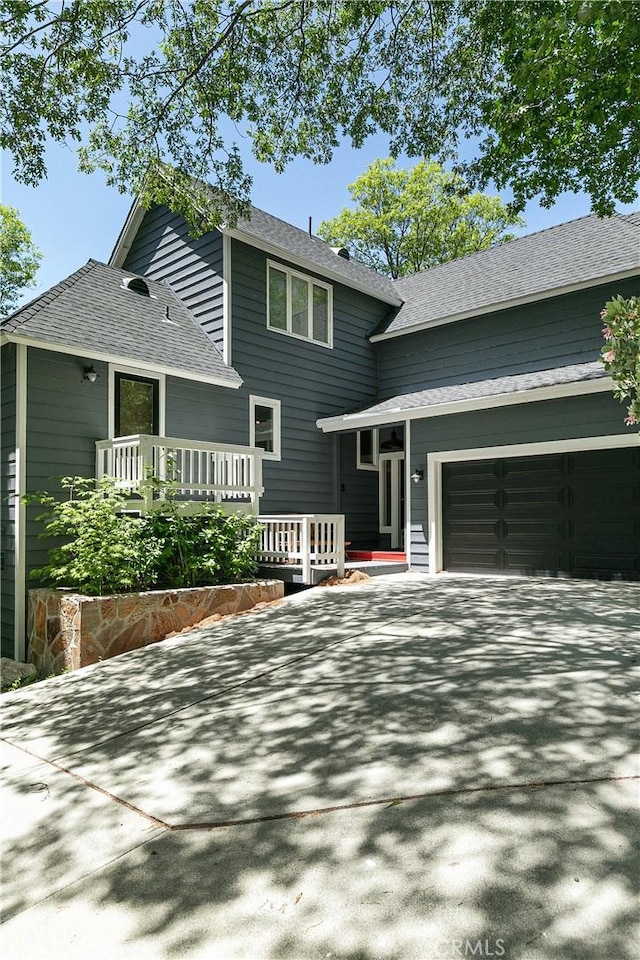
576,514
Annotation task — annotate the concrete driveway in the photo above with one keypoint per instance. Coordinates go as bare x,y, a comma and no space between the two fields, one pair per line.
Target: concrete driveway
416,767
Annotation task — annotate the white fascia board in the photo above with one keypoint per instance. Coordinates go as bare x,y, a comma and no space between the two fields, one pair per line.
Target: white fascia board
358,421
227,331
20,542
127,234
308,265
91,354
480,311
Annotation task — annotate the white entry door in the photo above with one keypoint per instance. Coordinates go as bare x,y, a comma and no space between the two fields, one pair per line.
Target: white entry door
391,496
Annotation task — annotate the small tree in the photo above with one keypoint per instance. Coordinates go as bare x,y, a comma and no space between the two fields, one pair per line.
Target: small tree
19,259
621,353
405,221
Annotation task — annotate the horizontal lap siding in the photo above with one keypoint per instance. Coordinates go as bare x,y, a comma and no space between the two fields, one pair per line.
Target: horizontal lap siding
358,495
574,417
200,411
65,416
7,493
163,250
310,380
550,333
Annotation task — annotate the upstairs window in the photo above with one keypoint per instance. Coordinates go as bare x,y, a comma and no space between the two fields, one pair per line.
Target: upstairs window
299,306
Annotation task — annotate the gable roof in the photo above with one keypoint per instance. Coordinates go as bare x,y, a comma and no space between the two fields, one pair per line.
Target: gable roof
290,243
566,257
576,378
293,243
93,314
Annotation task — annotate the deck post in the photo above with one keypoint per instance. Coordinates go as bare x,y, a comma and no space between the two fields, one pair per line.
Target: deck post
306,549
339,532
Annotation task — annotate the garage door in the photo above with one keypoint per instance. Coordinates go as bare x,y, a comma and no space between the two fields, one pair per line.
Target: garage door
576,514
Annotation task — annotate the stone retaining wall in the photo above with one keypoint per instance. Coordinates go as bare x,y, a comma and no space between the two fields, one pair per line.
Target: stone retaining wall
68,630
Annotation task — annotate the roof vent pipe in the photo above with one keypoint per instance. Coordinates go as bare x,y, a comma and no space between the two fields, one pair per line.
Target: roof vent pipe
341,252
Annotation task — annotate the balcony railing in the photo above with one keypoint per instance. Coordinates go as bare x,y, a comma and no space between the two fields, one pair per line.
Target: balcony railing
305,539
221,472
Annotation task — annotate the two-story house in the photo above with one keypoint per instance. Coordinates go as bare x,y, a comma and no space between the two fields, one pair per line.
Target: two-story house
460,416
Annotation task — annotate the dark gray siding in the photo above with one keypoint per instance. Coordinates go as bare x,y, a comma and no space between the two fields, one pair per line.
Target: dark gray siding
163,250
201,411
7,494
65,416
539,336
358,496
310,380
569,418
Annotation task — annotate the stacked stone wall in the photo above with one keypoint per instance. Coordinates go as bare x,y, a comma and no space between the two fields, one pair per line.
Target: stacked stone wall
67,631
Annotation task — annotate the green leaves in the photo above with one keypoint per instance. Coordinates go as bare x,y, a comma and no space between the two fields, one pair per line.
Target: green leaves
405,221
159,93
19,259
621,354
104,550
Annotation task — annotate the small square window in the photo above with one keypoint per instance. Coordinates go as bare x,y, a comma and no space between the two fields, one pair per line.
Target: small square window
264,426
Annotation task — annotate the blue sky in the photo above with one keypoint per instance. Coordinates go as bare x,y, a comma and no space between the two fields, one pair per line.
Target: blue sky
74,216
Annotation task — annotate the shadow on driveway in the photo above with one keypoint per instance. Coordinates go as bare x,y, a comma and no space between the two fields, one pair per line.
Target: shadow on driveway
486,725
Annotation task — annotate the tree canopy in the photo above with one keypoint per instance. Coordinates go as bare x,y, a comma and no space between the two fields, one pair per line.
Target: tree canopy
405,221
543,93
19,259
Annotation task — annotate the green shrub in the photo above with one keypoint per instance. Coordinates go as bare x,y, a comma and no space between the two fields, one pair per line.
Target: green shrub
107,551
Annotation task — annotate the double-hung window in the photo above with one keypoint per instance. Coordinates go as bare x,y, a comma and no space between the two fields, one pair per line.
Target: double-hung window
298,305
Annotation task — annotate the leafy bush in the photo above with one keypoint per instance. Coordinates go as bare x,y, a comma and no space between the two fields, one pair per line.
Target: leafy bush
108,551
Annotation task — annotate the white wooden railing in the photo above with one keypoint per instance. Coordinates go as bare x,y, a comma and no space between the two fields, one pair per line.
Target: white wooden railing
306,539
212,471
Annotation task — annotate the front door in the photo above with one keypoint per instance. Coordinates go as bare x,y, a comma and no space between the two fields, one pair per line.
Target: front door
391,497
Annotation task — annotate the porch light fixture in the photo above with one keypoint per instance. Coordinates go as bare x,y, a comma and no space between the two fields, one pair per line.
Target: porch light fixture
90,374
418,475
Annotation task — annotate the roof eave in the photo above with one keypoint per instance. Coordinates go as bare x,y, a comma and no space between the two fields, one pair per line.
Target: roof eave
506,304
366,419
127,234
91,354
245,237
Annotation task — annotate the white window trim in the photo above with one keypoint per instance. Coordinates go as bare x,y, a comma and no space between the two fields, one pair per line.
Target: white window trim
311,281
276,406
137,372
360,463
436,459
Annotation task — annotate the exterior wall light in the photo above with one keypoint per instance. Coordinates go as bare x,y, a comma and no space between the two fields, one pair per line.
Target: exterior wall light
418,475
90,374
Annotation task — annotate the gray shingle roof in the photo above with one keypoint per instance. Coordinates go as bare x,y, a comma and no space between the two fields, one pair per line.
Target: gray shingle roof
532,266
93,313
266,229
439,396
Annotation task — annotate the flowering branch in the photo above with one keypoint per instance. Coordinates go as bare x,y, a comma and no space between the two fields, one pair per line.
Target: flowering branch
620,355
